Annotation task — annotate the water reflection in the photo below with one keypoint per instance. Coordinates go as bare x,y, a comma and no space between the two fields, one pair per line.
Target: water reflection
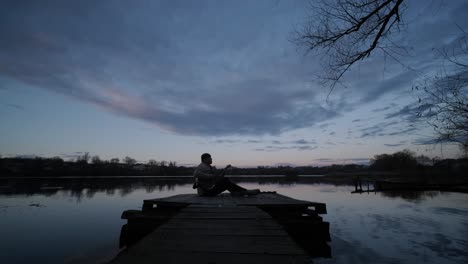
79,215
88,187
413,196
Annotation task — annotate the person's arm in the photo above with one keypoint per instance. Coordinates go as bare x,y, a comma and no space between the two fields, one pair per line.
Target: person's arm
223,171
201,174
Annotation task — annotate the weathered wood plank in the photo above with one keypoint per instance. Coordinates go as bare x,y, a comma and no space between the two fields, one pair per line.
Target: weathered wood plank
234,235
171,257
225,199
223,232
249,231
211,215
172,238
202,209
225,244
215,208
177,223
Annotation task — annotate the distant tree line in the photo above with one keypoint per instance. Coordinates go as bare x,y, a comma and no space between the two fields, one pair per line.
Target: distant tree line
401,160
408,161
87,165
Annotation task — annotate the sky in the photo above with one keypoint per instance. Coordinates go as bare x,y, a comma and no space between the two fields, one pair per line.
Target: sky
170,80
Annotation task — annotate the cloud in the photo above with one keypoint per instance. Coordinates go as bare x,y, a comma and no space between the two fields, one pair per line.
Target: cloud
325,125
14,106
392,105
382,129
377,129
306,147
403,132
229,141
400,81
303,142
297,142
393,145
330,161
403,121
408,112
279,148
21,156
185,68
426,141
435,140
208,79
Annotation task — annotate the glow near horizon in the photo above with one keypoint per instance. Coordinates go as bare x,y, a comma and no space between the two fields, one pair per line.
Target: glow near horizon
245,96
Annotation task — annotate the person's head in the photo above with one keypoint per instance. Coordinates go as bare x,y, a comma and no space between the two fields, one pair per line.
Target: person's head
206,158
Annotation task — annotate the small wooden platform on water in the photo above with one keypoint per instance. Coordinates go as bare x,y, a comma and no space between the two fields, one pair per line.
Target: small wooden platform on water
224,229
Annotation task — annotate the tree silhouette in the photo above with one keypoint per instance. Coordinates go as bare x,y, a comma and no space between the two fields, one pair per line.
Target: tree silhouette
404,159
443,99
348,31
152,162
83,158
96,160
129,161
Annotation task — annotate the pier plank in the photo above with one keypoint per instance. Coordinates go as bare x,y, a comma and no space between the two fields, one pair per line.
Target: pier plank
213,234
170,257
228,199
264,200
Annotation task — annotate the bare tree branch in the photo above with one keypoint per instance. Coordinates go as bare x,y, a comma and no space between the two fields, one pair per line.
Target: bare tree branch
444,98
349,31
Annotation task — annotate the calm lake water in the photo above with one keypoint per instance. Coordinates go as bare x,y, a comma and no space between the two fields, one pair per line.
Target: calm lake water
80,223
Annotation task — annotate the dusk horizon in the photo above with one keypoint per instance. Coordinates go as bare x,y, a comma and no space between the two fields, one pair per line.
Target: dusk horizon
169,81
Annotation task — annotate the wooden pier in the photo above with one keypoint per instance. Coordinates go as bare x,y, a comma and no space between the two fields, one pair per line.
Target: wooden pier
225,229
358,182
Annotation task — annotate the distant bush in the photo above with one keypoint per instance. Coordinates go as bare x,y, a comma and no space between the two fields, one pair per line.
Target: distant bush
401,160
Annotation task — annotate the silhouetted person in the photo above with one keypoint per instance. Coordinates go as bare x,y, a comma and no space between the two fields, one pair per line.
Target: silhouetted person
210,183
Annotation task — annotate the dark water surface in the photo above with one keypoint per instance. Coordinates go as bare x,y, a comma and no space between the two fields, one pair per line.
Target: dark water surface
80,221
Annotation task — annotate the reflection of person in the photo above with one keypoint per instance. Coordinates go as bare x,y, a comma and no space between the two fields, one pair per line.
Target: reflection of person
210,183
